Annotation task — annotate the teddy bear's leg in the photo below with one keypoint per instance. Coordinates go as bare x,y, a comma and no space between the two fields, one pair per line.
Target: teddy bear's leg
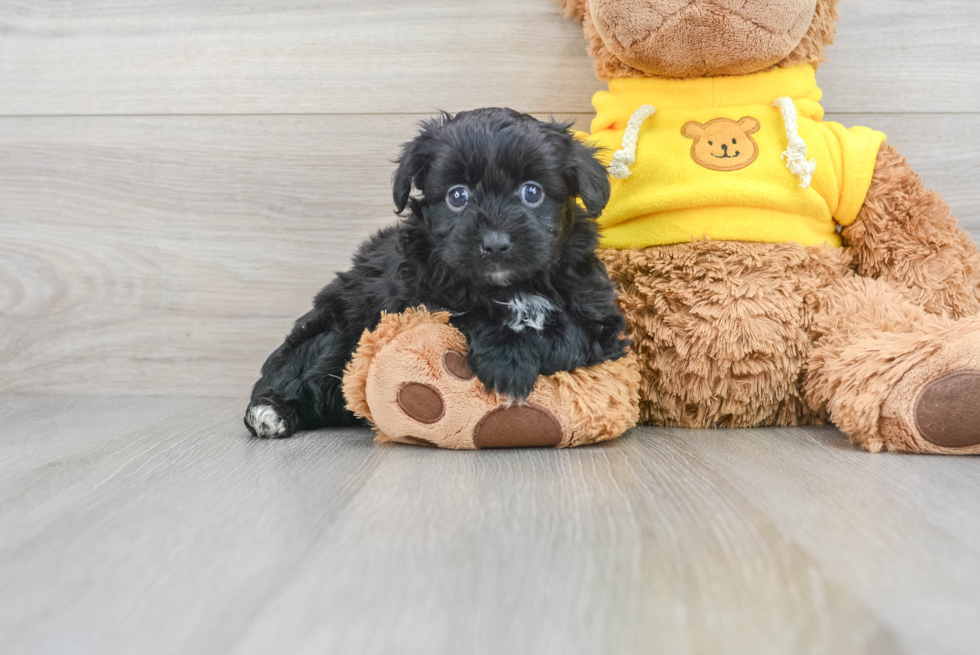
893,376
906,234
721,329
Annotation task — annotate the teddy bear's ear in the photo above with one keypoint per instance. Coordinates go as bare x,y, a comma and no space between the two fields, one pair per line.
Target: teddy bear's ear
692,130
812,49
415,161
749,125
574,8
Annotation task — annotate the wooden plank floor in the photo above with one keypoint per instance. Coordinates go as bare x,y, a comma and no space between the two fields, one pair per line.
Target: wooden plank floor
155,525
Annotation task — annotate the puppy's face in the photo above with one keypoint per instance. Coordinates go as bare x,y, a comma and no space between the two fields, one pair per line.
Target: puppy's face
498,192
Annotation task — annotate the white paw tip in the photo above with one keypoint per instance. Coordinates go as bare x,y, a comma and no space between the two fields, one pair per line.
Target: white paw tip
266,422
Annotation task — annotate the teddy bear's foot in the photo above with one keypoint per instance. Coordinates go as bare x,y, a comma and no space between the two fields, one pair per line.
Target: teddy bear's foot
935,408
409,377
892,376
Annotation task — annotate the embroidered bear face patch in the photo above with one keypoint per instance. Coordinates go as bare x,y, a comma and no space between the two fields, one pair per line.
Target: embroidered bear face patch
723,144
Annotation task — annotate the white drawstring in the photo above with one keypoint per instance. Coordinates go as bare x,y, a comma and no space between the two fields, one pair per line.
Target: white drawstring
626,155
795,154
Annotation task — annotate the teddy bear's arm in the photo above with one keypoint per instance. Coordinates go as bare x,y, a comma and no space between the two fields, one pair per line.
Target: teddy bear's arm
907,234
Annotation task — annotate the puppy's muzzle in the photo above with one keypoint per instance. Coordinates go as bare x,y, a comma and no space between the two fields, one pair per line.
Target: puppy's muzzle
495,244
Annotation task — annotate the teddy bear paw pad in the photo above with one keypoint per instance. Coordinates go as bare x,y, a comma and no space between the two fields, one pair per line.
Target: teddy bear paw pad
516,427
455,364
417,441
422,402
947,411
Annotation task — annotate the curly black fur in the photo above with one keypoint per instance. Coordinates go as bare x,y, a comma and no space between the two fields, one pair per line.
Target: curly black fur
439,258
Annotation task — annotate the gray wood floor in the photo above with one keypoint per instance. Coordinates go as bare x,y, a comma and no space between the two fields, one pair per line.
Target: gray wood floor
154,525
177,178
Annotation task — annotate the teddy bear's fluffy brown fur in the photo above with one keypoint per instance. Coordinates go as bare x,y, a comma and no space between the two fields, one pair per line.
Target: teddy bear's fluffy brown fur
811,48
881,337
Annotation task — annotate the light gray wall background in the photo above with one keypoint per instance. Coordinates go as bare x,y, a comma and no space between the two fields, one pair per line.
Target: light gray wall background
178,178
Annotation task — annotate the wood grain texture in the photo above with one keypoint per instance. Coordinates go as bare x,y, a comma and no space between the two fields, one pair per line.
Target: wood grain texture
157,526
170,255
370,56
904,56
389,56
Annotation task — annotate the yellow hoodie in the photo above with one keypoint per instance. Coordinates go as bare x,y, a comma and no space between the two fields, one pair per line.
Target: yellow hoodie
716,158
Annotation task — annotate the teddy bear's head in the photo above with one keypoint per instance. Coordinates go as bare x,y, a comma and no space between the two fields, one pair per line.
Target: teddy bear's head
703,38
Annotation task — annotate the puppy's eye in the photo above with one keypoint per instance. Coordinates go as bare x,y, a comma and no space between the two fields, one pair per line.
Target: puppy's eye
711,143
734,142
457,198
532,194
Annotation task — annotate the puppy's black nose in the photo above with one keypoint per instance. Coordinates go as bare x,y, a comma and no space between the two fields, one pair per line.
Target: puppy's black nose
724,147
495,243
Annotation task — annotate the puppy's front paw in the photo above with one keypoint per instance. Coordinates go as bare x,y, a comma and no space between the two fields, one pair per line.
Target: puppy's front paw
514,382
265,421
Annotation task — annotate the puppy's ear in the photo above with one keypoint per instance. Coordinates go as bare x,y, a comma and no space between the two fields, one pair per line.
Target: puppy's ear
415,160
585,175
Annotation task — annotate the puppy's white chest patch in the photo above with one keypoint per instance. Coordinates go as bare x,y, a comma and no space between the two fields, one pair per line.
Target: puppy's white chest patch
528,311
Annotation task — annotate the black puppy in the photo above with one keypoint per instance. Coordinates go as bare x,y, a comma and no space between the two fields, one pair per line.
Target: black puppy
495,236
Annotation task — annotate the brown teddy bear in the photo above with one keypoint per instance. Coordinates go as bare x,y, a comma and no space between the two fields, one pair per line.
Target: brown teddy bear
775,269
